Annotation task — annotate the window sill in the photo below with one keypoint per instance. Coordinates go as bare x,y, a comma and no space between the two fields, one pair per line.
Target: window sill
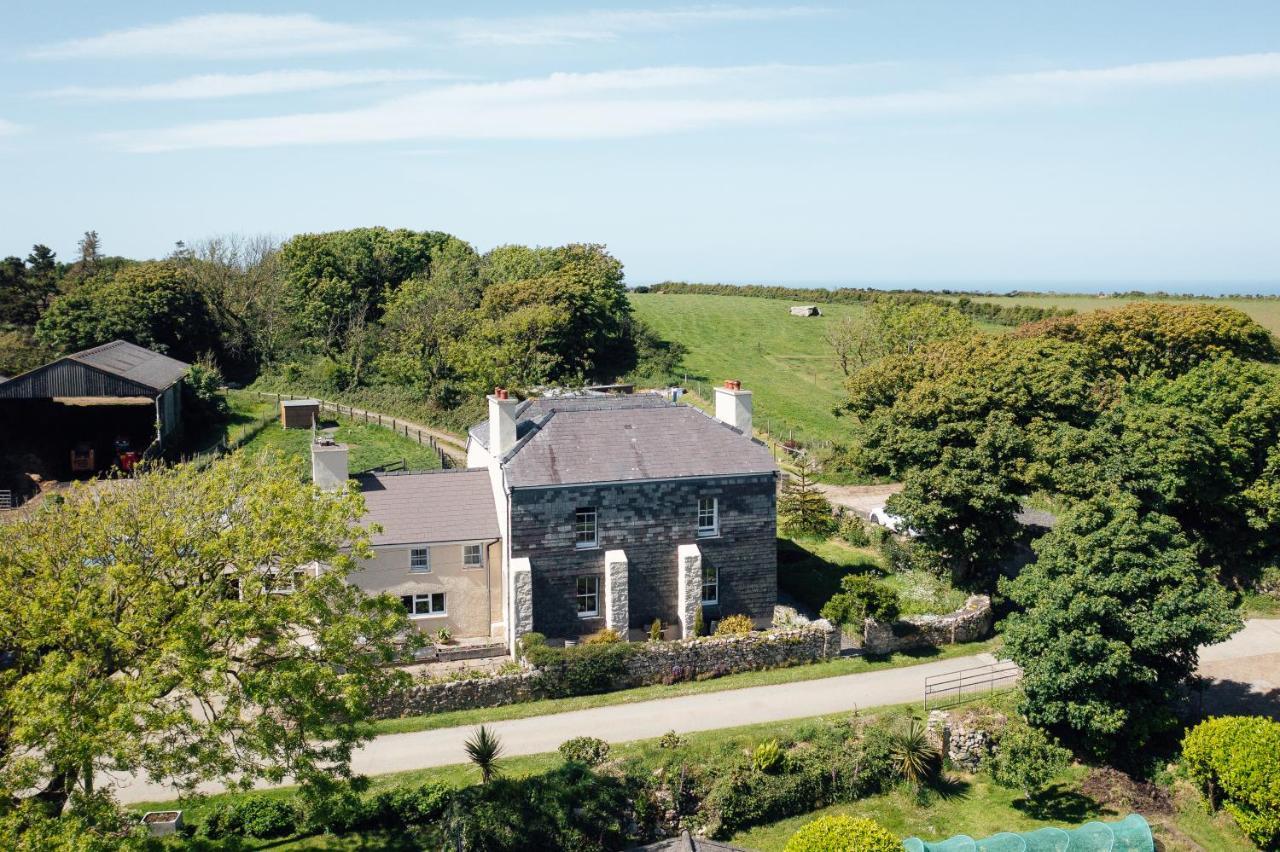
715,602
595,546
419,570
587,616
704,536
429,615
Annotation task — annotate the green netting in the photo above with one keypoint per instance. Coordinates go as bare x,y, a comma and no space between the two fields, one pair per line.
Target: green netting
1005,841
1131,834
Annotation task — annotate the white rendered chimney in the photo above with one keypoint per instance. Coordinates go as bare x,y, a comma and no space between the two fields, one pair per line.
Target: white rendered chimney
329,465
733,406
502,422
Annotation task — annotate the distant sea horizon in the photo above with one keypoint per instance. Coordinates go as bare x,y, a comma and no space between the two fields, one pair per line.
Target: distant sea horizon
1042,288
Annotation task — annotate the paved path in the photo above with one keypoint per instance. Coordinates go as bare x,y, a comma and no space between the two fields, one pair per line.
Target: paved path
1250,655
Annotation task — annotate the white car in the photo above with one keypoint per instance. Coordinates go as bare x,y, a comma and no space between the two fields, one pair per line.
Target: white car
894,523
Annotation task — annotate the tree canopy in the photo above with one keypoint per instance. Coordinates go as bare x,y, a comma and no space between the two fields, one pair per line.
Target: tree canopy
1113,611
169,624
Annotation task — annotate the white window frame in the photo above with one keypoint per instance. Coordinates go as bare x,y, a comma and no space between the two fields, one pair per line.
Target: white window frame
714,600
713,530
593,593
429,600
479,552
579,527
414,553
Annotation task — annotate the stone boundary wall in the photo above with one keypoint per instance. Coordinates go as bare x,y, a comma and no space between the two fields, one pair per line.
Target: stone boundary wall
970,623
964,741
651,663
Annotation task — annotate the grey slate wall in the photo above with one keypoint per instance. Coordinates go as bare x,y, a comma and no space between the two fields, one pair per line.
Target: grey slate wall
648,520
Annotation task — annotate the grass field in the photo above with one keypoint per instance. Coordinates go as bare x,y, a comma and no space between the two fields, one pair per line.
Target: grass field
786,361
782,359
371,446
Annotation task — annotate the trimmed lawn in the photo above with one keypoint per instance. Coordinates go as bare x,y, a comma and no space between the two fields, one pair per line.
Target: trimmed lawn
371,446
794,674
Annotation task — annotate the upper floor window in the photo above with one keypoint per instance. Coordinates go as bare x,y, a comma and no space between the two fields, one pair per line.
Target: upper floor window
420,560
588,596
429,604
472,556
708,517
710,584
584,527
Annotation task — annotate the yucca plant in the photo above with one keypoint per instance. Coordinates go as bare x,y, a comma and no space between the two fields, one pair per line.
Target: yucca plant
915,758
484,748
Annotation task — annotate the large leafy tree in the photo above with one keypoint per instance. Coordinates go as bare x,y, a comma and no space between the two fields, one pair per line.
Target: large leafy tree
153,304
156,626
337,281
965,507
1114,610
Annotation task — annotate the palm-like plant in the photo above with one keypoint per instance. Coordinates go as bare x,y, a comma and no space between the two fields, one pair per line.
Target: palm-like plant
915,758
484,748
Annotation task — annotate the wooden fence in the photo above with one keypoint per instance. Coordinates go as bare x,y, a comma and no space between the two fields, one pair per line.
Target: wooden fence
450,450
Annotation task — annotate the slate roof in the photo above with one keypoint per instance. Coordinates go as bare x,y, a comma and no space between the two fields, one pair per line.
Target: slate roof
617,439
430,506
530,411
135,363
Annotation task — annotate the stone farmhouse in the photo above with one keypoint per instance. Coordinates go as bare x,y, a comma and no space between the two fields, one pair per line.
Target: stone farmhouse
578,513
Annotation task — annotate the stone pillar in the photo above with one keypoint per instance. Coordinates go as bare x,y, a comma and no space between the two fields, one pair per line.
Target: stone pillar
689,586
521,601
616,602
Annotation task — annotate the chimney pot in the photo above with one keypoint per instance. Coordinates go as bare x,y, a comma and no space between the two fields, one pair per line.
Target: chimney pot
733,384
500,393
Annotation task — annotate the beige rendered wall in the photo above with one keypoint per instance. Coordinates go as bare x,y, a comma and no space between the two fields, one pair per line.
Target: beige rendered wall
470,599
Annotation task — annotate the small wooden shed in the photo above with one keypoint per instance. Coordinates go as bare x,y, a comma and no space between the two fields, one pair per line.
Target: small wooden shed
805,311
299,413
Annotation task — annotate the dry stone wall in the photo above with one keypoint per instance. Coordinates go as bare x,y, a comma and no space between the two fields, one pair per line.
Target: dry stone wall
651,663
968,624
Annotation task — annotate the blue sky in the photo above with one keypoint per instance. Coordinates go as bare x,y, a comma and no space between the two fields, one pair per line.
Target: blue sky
971,143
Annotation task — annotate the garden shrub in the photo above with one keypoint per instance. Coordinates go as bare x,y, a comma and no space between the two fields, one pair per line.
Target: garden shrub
842,833
1025,759
655,630
258,816
603,636
734,625
854,531
862,597
741,797
670,740
589,751
768,757
531,640
582,669
1234,758
414,806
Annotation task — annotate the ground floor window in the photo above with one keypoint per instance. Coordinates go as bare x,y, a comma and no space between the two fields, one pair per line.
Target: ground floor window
429,604
710,584
588,595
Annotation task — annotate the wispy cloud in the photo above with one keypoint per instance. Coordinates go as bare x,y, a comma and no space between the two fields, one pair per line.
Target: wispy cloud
608,25
649,101
227,36
209,86
8,128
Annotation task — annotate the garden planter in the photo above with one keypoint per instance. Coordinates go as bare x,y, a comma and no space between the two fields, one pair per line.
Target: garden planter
162,823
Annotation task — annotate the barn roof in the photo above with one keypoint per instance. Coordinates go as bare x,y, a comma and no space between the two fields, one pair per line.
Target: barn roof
117,368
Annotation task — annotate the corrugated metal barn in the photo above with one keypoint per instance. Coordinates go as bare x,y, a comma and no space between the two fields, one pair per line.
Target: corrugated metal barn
83,412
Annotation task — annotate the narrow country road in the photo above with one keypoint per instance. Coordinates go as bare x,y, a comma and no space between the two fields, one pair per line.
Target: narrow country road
1244,665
